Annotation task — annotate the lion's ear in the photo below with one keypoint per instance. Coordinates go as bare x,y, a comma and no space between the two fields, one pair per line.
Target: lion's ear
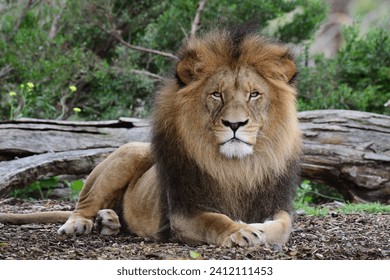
289,69
188,68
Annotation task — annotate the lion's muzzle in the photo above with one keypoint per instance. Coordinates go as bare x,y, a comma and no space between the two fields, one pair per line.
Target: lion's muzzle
235,143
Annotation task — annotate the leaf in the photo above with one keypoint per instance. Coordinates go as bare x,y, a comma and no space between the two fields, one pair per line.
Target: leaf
77,185
195,254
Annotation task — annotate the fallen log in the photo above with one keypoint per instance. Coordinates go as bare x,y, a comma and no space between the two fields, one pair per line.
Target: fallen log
26,137
31,149
347,150
21,172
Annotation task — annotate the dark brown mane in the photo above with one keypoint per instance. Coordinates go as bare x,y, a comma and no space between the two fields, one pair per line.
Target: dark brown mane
193,187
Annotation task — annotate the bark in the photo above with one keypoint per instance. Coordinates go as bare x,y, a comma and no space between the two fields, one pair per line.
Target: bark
32,149
329,38
21,172
54,25
347,150
26,137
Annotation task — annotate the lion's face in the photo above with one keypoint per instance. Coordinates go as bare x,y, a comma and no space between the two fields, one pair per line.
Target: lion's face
236,101
231,109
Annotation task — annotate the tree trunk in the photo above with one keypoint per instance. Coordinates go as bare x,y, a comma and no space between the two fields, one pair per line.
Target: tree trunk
347,150
26,137
21,172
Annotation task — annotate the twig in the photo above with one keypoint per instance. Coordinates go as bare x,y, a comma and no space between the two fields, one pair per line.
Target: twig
196,22
138,72
146,73
142,49
117,35
7,200
5,71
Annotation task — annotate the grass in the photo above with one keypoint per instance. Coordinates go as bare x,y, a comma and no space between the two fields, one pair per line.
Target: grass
365,207
311,198
311,210
347,208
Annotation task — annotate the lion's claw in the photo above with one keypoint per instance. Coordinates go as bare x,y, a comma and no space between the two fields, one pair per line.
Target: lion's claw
77,226
244,237
107,222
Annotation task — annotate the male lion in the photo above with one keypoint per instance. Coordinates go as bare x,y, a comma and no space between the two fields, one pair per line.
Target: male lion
223,162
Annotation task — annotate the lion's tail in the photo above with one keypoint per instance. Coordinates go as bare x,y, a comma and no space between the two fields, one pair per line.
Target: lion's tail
38,217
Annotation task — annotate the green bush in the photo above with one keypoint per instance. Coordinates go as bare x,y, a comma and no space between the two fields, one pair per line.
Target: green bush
40,189
356,79
84,54
311,193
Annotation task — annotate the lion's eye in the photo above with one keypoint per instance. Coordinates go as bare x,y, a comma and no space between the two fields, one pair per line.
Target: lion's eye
254,95
216,95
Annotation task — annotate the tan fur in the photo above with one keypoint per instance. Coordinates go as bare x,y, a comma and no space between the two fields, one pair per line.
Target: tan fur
38,217
192,125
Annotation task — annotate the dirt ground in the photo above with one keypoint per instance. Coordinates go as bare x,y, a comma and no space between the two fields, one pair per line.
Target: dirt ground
336,236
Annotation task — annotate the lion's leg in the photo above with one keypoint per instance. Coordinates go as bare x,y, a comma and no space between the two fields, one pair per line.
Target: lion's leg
142,206
214,228
106,185
276,231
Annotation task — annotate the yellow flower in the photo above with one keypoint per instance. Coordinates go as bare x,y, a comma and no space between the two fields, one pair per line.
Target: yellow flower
12,93
30,85
72,88
76,110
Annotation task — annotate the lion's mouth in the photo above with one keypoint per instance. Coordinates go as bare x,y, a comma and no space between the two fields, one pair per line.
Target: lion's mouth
235,148
234,140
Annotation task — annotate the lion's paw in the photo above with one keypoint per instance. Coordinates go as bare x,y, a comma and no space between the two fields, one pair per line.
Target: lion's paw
274,231
245,236
107,222
77,226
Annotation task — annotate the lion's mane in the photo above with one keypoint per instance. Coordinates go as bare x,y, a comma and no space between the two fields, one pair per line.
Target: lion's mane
191,171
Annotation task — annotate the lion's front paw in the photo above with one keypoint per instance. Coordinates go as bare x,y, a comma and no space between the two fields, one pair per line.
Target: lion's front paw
107,222
245,236
76,226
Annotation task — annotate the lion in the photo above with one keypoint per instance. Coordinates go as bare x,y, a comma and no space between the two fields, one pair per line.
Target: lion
223,163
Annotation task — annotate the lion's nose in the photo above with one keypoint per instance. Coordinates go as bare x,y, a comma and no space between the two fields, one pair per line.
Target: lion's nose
234,125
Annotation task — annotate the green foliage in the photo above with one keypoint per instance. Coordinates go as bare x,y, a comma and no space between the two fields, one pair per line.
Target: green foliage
357,78
44,63
40,189
311,210
365,208
320,211
43,188
298,25
83,52
309,193
75,188
312,198
195,255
